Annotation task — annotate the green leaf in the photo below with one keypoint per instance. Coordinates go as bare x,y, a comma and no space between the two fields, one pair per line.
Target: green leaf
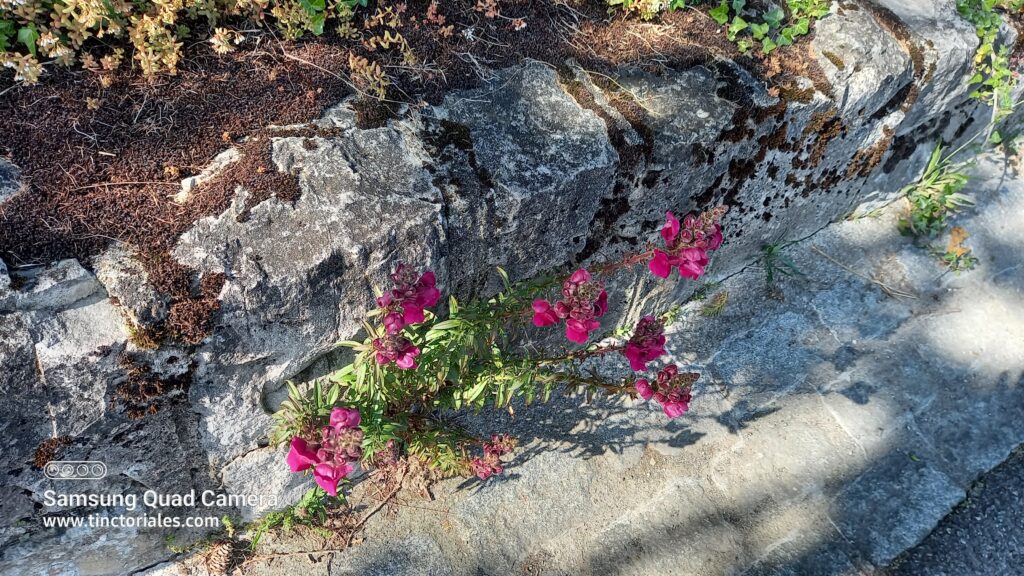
738,25
759,30
446,325
737,5
6,31
28,36
504,277
802,27
316,23
768,45
721,13
473,393
313,6
774,17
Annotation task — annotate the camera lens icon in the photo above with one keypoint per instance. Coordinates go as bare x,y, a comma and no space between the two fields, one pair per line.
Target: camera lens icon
75,470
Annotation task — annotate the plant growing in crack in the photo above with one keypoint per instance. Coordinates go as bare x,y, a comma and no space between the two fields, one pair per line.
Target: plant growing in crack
776,263
935,196
415,367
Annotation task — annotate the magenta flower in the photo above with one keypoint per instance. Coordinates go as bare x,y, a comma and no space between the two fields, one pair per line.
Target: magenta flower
544,314
584,301
334,457
301,456
646,344
490,463
687,245
643,387
327,475
671,389
342,418
398,349
404,304
676,408
483,469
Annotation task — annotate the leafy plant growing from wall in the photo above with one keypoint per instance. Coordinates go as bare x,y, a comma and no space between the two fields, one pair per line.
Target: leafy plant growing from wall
414,367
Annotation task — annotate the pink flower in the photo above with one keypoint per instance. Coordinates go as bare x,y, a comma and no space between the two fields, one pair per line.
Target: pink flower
335,455
672,389
327,475
407,358
342,418
579,331
646,344
687,245
675,409
301,456
483,470
584,300
643,387
393,323
543,313
404,304
490,464
398,349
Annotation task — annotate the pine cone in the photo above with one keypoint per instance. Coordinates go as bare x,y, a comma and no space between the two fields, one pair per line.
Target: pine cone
218,558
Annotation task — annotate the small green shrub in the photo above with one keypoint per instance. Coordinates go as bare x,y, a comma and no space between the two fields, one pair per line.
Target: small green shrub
934,197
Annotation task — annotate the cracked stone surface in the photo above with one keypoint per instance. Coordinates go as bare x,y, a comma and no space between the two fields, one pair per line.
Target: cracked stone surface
835,426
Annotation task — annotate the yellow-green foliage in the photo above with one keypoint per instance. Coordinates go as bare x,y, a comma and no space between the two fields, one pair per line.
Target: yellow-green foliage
34,32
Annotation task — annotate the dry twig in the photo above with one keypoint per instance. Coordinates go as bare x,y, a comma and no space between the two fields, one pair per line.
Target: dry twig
889,290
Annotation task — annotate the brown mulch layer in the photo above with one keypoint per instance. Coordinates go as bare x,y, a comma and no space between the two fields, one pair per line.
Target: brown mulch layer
102,163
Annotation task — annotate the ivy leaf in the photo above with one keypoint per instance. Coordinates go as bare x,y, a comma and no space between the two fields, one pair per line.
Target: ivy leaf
738,25
759,30
774,17
768,45
6,31
737,5
801,27
721,13
744,46
313,6
316,23
28,36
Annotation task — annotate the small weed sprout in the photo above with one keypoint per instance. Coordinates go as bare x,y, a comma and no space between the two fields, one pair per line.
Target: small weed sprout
776,263
715,305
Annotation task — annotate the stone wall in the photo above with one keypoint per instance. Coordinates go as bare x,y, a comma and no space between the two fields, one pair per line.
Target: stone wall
543,167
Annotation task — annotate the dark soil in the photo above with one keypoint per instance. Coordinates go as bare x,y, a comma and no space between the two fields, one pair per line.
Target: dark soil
102,163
